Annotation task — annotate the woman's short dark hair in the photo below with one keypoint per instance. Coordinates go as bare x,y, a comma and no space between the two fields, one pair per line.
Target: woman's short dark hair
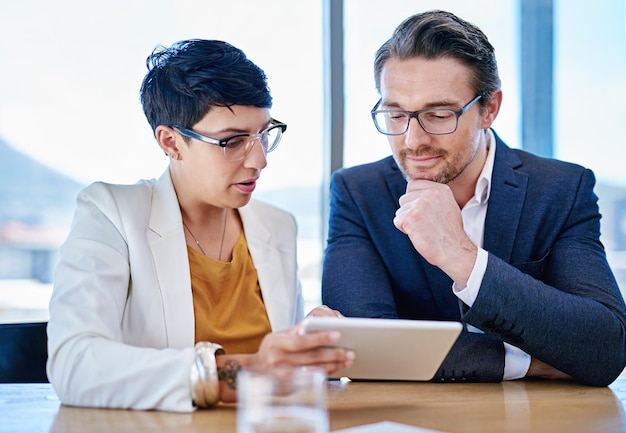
436,34
185,80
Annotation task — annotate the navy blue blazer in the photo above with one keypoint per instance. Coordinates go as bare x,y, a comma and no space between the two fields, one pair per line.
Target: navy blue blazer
548,288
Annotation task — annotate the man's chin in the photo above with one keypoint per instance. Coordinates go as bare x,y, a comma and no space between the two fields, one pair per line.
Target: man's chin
415,174
420,175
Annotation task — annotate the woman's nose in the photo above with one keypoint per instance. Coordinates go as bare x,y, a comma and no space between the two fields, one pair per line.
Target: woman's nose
257,157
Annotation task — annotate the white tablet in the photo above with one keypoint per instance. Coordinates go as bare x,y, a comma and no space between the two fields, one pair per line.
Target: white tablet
390,349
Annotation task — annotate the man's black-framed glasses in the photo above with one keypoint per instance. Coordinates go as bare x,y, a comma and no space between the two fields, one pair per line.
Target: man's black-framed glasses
437,121
238,146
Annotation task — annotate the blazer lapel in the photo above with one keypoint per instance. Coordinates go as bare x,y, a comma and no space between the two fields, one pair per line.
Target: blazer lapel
395,180
278,294
169,252
508,190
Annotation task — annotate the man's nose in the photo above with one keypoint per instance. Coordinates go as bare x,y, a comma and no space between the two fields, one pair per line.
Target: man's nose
415,135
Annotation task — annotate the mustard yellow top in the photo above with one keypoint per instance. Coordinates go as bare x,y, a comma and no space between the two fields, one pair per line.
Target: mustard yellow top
227,301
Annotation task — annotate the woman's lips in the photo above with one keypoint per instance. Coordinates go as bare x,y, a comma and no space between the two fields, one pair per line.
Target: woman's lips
246,186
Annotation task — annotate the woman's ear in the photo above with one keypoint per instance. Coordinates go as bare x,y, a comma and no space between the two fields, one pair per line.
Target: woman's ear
166,137
490,111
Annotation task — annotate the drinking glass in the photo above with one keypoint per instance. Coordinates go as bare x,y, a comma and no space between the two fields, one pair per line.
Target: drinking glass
282,400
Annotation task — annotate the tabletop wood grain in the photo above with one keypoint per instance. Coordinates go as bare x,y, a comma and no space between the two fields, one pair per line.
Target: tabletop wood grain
508,407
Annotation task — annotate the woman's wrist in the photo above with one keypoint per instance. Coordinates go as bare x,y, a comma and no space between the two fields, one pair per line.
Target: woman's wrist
205,387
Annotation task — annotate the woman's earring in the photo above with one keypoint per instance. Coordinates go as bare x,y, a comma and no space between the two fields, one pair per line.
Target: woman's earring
174,156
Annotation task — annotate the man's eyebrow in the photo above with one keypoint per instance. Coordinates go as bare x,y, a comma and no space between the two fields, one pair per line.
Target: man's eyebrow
445,103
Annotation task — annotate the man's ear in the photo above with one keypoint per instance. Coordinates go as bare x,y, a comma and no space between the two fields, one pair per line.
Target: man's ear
490,111
166,137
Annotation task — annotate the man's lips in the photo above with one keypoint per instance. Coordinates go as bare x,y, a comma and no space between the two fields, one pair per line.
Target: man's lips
423,160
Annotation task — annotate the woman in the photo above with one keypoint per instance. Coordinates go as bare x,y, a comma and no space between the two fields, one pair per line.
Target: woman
152,269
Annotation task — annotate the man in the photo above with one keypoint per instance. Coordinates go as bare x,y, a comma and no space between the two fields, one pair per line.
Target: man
503,240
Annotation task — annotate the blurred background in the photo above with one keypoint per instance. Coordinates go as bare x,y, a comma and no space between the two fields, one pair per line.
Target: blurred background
70,73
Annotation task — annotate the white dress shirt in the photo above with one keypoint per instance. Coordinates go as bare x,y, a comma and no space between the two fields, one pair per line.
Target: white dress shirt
516,361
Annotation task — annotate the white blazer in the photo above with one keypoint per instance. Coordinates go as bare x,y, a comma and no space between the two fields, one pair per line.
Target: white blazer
121,327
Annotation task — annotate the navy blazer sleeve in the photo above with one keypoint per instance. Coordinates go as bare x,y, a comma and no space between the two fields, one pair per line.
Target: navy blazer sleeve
553,293
548,288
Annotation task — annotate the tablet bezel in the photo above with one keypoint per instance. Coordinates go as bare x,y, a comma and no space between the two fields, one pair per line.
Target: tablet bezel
390,349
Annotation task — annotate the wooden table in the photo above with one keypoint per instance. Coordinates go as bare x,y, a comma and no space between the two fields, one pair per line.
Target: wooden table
509,407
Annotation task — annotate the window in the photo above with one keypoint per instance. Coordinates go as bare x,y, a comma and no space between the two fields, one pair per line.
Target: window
70,111
70,115
589,87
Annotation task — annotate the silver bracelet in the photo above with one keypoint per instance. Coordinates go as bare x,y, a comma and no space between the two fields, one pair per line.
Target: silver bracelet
205,387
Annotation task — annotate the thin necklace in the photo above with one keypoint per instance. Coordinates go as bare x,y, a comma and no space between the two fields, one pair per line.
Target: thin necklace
223,236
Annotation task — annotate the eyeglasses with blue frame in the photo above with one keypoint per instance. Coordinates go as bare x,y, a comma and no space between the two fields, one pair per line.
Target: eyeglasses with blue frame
437,121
